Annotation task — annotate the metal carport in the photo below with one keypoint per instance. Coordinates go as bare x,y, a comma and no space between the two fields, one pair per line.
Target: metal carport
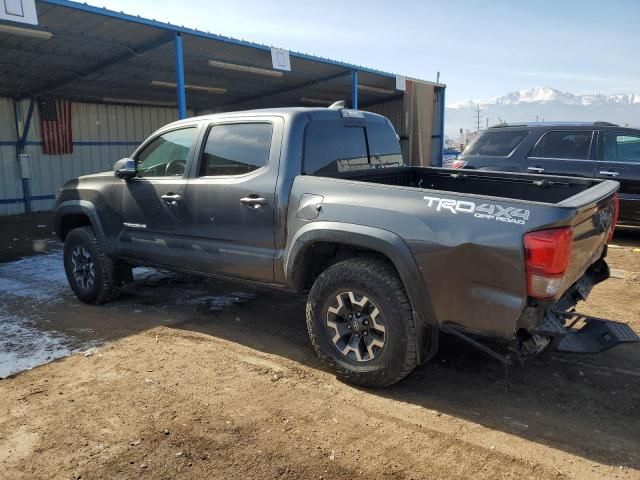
95,56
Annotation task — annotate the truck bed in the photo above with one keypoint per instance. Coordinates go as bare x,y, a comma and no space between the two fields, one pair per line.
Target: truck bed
530,188
465,230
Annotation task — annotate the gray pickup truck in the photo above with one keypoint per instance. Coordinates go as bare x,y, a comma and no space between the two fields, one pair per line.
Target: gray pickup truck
318,200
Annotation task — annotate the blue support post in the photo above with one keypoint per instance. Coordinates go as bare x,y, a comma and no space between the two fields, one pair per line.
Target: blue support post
182,96
20,144
354,89
442,110
27,123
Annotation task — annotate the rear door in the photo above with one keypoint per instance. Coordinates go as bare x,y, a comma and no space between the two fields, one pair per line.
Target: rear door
563,152
231,201
619,159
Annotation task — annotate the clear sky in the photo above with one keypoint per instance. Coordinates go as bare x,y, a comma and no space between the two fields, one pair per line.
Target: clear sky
482,48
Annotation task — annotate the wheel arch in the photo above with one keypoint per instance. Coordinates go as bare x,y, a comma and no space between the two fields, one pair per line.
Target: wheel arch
360,240
78,213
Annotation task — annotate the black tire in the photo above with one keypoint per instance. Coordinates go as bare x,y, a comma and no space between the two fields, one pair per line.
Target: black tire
106,283
379,282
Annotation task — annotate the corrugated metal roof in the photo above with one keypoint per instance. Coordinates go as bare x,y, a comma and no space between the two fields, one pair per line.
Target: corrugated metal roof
96,54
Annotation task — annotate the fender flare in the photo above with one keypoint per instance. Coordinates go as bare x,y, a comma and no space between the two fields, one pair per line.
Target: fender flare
82,207
391,246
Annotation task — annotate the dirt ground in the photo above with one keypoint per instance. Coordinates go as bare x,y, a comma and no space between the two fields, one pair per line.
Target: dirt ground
209,379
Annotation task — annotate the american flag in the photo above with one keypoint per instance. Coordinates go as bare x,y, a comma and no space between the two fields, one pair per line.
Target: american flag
55,126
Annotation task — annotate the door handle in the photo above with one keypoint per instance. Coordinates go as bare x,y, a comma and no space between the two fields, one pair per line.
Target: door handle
171,198
535,169
253,201
609,173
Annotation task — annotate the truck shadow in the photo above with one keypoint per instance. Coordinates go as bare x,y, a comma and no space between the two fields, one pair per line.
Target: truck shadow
583,405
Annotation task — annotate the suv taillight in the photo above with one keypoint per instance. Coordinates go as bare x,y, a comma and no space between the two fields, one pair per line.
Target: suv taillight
547,256
458,163
616,211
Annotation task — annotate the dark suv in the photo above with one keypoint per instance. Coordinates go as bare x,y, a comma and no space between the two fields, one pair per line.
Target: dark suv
593,150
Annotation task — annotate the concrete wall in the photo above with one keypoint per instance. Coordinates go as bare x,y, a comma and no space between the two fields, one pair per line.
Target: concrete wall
101,135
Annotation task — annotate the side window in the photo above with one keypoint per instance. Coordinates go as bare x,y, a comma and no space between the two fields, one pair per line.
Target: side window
236,149
331,147
384,147
496,143
564,144
166,155
616,147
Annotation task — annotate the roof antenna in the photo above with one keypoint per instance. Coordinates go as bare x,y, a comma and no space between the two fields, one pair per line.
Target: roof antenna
339,105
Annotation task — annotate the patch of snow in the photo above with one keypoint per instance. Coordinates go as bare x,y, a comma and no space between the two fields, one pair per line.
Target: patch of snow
24,346
40,278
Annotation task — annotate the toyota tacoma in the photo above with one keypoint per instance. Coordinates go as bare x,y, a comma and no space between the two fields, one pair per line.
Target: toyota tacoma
320,201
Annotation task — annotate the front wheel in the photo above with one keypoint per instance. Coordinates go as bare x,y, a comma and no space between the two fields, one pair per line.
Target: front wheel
92,275
361,324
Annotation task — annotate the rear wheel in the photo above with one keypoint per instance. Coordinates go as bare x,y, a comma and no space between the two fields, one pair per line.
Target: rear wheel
361,324
92,275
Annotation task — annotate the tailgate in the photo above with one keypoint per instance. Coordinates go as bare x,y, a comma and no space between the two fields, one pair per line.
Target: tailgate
592,226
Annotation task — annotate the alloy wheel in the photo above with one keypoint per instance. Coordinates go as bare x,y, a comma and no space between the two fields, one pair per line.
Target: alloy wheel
356,326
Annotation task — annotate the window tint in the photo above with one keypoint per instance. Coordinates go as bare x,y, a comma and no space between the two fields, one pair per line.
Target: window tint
563,144
236,149
384,147
495,143
330,147
620,148
166,155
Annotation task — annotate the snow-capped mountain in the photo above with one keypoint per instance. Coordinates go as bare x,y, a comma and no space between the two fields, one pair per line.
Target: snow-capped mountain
544,104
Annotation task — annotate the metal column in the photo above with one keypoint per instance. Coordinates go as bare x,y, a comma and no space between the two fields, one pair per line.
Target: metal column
182,96
20,144
354,89
442,110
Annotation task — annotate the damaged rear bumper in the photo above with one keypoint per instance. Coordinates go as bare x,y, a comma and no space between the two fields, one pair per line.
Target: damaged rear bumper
595,334
573,332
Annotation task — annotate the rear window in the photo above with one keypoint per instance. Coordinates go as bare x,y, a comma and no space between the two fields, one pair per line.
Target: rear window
564,144
384,147
617,147
236,149
332,147
496,144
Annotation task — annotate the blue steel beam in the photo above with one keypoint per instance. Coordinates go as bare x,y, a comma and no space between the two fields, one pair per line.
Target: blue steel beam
27,124
180,88
354,89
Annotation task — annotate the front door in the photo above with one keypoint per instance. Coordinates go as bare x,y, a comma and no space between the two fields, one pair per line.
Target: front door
619,159
152,203
563,152
231,200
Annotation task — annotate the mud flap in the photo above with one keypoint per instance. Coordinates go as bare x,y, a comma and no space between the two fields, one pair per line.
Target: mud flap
595,336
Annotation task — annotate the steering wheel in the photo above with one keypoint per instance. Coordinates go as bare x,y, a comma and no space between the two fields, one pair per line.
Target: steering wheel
175,167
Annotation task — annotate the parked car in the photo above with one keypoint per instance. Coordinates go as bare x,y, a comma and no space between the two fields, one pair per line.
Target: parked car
319,201
591,150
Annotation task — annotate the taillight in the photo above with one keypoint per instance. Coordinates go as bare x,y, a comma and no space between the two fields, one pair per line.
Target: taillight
547,256
458,164
614,221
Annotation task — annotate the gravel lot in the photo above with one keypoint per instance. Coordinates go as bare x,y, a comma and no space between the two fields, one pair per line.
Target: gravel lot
209,379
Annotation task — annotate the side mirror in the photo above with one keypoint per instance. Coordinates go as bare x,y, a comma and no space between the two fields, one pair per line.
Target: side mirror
125,168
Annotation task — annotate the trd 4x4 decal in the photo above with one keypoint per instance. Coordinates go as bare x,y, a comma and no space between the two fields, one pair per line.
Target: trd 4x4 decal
487,211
